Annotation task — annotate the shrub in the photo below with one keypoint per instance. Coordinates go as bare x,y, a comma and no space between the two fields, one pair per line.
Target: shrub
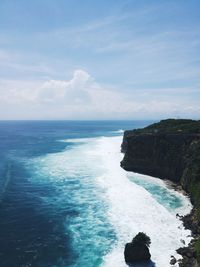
198,250
142,238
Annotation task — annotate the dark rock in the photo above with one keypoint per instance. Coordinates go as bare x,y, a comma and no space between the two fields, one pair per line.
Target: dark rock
190,221
173,260
189,255
188,252
182,241
188,262
155,154
136,253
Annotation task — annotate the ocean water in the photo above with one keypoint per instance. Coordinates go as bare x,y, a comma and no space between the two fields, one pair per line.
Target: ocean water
65,201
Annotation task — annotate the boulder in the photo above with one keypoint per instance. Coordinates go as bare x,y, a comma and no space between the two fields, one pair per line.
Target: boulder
173,260
136,252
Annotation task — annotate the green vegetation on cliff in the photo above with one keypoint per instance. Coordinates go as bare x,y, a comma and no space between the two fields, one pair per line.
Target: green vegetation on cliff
190,179
142,238
198,250
172,126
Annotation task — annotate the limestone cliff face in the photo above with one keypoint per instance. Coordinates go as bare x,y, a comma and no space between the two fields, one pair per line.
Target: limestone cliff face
168,153
159,155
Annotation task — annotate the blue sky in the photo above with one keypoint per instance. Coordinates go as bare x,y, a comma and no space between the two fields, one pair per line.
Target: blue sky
96,59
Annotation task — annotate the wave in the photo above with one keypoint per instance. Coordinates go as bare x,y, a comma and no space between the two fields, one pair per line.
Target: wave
111,207
78,140
120,131
168,197
133,209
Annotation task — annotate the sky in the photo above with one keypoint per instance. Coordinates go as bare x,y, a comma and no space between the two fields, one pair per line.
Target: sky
99,59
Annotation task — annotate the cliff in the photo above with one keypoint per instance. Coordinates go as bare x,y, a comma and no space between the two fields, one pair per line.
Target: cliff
169,150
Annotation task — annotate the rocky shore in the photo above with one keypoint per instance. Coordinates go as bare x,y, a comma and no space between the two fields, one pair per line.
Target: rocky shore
170,150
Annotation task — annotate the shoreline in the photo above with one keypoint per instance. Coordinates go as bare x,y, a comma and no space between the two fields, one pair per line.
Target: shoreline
141,212
177,187
187,252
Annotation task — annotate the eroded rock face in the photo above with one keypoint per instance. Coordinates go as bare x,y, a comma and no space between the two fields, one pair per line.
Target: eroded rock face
168,150
158,155
136,253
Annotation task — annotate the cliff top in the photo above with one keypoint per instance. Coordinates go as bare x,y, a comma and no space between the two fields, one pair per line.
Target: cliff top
171,126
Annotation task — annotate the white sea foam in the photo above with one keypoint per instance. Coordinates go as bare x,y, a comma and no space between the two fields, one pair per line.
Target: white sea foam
120,131
185,207
131,208
77,140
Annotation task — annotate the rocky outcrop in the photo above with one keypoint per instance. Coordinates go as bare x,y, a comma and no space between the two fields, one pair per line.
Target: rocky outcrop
169,150
136,253
189,255
138,249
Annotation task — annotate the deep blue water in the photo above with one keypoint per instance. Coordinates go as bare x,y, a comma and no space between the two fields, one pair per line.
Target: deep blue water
42,211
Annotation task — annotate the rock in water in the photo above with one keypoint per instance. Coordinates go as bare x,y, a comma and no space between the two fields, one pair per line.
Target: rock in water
136,253
137,250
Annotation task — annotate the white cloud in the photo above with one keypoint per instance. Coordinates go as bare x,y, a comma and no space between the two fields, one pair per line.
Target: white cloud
67,92
82,97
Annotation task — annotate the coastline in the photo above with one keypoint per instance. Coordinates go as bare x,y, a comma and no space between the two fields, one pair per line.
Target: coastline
170,148
176,187
187,252
132,208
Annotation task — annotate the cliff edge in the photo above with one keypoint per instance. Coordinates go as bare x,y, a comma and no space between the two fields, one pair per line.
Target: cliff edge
169,149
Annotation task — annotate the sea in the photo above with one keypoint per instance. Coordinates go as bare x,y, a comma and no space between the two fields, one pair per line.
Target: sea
66,202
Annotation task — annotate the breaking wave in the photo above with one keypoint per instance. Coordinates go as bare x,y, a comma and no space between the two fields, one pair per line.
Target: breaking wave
108,205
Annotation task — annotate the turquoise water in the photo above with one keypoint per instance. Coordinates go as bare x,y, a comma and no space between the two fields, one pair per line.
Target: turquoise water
163,195
63,199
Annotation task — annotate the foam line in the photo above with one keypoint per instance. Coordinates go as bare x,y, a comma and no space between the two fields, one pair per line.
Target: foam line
78,140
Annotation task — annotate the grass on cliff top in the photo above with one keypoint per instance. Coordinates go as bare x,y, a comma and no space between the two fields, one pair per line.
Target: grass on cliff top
172,126
198,250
